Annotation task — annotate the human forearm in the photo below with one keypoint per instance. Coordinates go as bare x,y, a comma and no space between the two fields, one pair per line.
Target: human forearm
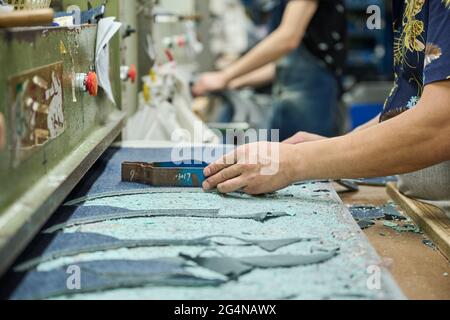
369,124
414,140
257,78
283,40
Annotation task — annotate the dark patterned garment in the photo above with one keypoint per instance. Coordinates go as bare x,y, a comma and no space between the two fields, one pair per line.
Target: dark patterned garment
421,51
326,35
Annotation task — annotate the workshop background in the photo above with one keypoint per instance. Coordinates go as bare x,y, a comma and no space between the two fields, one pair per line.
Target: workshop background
89,86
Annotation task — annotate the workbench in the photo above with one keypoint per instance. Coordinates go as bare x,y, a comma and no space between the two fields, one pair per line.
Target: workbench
420,271
309,211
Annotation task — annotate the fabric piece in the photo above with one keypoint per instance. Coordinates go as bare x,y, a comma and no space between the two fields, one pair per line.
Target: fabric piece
131,214
366,212
401,228
84,217
105,275
91,197
349,185
391,213
274,245
159,190
72,244
236,267
365,224
376,182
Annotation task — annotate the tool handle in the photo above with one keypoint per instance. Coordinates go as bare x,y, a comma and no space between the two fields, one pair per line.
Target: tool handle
26,18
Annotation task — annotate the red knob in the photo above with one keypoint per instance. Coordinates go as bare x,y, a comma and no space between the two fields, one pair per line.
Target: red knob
132,73
169,55
92,84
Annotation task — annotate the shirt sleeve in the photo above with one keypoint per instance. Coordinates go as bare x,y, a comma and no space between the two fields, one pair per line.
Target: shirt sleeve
437,52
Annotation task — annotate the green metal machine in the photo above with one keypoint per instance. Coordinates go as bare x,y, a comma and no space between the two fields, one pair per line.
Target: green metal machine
56,127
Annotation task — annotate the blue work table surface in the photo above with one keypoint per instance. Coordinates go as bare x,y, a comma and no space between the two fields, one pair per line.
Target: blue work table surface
314,210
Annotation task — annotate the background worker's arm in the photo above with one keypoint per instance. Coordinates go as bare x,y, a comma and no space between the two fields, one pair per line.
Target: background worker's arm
414,140
255,79
302,137
286,38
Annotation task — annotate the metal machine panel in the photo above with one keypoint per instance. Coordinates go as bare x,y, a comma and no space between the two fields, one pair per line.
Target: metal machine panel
54,131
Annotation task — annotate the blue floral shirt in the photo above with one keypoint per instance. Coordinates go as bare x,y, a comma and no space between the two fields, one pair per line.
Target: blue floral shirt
421,51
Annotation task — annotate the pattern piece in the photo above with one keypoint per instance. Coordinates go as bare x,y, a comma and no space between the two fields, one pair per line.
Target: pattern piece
72,244
97,276
366,212
233,268
112,194
193,213
81,200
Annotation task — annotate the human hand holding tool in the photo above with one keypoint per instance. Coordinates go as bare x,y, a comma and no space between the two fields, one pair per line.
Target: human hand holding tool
256,168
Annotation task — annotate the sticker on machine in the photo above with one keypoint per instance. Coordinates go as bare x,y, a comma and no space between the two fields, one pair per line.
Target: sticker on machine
36,101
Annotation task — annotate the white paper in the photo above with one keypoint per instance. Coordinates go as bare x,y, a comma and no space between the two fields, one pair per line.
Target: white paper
151,51
106,29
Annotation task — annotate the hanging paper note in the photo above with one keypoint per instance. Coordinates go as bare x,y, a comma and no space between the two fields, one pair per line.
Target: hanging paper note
107,28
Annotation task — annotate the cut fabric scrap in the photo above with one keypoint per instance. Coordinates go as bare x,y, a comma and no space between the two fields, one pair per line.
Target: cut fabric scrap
366,212
391,213
401,228
131,214
131,192
98,276
72,244
365,224
376,182
233,267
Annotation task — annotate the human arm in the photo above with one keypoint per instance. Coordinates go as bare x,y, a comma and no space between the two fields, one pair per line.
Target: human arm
414,140
279,43
369,124
255,79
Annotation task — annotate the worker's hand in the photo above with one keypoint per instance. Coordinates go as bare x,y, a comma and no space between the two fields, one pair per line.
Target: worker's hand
2,132
210,82
256,168
302,137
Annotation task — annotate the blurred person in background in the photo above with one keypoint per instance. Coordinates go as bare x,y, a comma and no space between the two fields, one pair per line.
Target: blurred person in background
303,56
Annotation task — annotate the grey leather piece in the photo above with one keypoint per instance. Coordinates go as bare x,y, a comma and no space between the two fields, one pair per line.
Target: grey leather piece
233,268
192,213
111,194
288,261
268,245
366,212
365,224
97,276
81,200
129,214
72,244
